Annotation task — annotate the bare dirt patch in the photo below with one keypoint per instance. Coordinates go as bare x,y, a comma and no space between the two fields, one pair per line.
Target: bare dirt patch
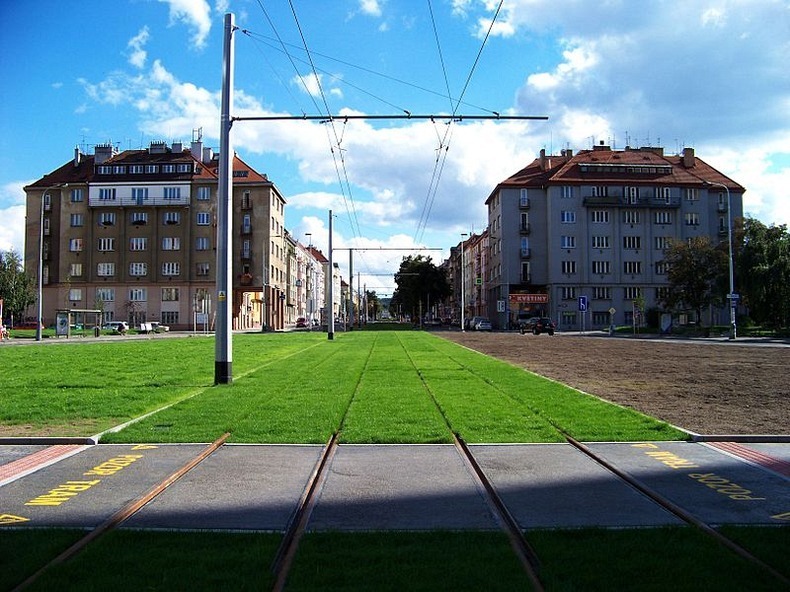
705,387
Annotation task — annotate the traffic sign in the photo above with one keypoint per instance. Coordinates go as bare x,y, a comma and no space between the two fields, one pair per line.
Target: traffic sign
733,296
583,303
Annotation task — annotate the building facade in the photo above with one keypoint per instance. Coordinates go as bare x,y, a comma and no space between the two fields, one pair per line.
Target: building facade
133,234
596,225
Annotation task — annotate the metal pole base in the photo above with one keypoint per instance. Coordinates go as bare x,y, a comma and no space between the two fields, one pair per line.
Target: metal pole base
223,372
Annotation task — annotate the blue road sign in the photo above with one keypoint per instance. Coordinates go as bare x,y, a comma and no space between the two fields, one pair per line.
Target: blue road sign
583,303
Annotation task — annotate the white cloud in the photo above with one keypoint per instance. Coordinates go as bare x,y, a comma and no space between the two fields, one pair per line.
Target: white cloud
12,214
136,45
194,13
370,7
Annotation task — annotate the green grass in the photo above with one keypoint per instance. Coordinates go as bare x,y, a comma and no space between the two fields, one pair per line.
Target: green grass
644,560
391,387
146,560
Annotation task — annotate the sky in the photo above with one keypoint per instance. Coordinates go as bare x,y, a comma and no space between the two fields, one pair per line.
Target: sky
706,74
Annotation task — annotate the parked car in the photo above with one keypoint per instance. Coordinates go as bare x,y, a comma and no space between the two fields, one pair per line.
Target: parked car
481,324
118,326
301,323
157,327
538,325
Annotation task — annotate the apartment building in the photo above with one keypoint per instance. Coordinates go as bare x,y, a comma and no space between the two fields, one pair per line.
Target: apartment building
133,234
596,224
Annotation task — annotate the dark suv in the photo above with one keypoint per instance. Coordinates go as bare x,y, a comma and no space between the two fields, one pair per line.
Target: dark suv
537,325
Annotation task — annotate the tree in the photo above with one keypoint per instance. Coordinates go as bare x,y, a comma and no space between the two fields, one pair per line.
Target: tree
420,283
763,273
695,269
17,290
374,305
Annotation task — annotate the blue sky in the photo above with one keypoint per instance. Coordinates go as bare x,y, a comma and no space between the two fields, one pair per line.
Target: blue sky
707,74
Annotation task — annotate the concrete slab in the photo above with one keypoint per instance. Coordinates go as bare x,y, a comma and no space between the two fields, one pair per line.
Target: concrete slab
11,452
85,489
400,487
777,450
555,486
715,487
244,487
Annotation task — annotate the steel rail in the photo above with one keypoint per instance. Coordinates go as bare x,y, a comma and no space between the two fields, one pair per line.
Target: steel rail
126,512
676,510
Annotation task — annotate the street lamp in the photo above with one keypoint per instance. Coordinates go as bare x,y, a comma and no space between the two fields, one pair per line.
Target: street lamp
463,279
731,296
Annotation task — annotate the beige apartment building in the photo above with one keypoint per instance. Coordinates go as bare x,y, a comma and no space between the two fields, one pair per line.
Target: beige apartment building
134,234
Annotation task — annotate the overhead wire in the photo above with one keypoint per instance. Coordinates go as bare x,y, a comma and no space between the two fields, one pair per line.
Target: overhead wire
353,211
433,189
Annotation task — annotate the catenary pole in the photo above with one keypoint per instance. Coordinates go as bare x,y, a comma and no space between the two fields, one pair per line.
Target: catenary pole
330,301
223,356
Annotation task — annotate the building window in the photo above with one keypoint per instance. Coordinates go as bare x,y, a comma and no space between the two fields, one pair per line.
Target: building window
632,195
151,168
524,221
632,292
630,217
75,294
171,268
600,191
567,191
600,318
172,193
139,194
246,203
662,293
169,294
184,168
204,193
171,243
202,269
568,242
107,219
75,245
107,194
526,276
662,242
105,269
600,216
119,169
601,267
568,267
202,243
568,318
168,168
663,193
568,216
632,267
602,293
203,218
632,242
75,270
661,268
77,219
170,317
663,217
600,242
76,195
105,294
105,170
138,269
139,218
523,199
138,294
692,219
245,249
138,244
569,293
136,169
692,194
172,218
524,246
106,244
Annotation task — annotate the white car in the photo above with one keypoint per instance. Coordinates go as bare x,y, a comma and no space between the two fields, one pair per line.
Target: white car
117,326
157,327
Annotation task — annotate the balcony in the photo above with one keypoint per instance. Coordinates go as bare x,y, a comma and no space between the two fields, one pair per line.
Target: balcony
524,203
525,253
524,228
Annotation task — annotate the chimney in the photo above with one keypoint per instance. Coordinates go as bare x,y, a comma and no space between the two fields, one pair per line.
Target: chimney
178,147
688,157
543,159
197,149
103,153
208,155
77,156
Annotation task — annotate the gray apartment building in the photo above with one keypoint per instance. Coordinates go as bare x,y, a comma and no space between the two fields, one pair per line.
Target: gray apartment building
133,234
594,226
